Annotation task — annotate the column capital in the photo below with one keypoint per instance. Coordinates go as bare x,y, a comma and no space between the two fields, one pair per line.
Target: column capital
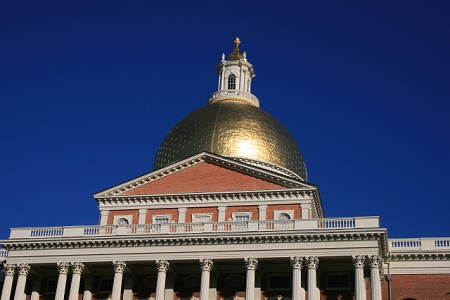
374,261
206,264
24,269
104,213
358,261
182,209
221,208
119,266
9,269
296,262
63,267
77,267
162,265
251,263
262,207
312,262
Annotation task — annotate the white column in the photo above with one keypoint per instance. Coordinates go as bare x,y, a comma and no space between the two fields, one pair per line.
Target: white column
206,265
142,213
182,215
36,287
88,284
375,263
170,281
9,270
128,286
251,264
77,269
221,216
298,293
104,217
119,268
23,270
262,212
360,286
162,266
312,262
63,269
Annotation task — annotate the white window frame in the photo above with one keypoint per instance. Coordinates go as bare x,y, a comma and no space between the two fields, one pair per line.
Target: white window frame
269,276
210,216
156,217
338,288
116,219
241,214
277,213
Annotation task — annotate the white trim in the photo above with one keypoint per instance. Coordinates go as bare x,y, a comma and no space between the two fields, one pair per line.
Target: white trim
241,214
202,215
155,217
129,218
277,213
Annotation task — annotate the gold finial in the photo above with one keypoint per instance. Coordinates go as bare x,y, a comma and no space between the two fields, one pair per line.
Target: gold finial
236,55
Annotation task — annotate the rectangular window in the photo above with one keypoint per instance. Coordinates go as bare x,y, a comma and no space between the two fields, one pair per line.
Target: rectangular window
242,216
201,218
278,282
338,281
161,219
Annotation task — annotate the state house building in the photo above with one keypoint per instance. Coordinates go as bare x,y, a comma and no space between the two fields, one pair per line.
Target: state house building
226,213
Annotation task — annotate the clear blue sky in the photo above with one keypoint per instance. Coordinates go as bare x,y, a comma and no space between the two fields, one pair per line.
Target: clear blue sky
89,89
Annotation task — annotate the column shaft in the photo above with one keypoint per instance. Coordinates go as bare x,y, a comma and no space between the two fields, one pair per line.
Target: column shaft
251,264
375,262
162,266
206,266
312,262
9,270
119,268
77,269
63,269
297,292
360,286
24,269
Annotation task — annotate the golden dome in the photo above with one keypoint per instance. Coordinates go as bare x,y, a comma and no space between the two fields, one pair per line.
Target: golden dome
232,129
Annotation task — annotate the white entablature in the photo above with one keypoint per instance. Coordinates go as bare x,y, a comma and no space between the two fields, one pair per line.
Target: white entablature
235,78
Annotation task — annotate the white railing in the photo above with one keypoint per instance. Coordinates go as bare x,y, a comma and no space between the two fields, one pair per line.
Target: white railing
228,93
3,253
418,244
182,228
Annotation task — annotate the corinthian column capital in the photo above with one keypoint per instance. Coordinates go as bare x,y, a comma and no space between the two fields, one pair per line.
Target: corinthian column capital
206,264
162,265
9,269
119,266
312,262
296,262
358,261
374,261
63,267
24,269
251,263
77,268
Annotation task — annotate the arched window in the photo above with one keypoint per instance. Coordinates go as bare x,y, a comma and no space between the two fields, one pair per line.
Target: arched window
122,221
232,82
284,216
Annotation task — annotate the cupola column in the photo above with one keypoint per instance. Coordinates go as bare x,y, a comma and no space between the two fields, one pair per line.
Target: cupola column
360,287
206,265
251,264
9,270
298,293
77,269
312,262
375,263
119,268
162,266
63,270
23,270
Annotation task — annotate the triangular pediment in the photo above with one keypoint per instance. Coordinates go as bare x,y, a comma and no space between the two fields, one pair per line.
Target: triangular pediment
205,173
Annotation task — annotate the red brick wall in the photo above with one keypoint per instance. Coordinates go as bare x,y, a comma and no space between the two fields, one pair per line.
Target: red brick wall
204,177
168,211
420,287
113,213
201,210
272,208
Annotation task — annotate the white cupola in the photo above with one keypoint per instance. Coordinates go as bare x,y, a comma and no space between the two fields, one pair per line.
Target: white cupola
235,78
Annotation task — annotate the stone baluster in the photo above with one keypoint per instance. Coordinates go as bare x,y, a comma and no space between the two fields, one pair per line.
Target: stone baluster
119,268
36,287
77,269
251,264
206,265
63,270
88,285
312,262
23,270
162,266
375,263
360,286
9,270
297,291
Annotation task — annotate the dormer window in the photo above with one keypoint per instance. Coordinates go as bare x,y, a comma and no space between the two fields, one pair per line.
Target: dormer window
232,82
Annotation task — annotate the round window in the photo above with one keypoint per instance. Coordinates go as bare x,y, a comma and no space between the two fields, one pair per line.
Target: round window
284,216
122,221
